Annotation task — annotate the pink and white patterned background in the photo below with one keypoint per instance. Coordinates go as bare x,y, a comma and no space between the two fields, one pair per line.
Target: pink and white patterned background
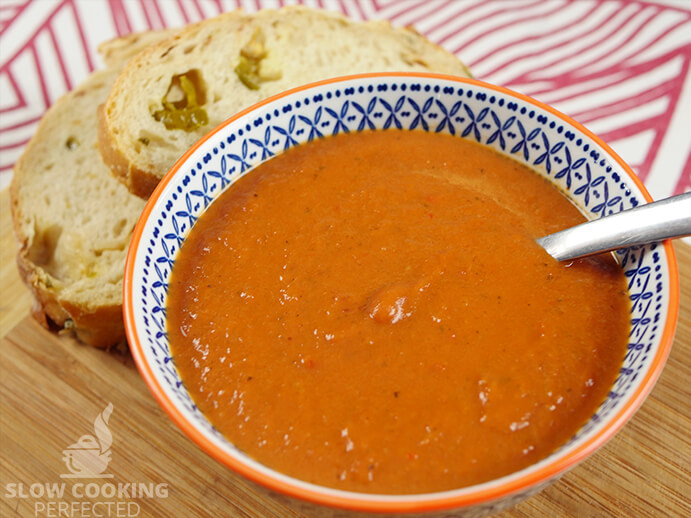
621,67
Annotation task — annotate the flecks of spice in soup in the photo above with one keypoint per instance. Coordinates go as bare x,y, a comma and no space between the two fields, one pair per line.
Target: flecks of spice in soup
371,312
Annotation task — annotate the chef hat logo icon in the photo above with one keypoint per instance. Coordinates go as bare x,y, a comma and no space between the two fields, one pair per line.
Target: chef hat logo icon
90,455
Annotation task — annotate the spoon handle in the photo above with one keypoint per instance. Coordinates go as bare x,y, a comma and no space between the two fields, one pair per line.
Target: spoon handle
648,223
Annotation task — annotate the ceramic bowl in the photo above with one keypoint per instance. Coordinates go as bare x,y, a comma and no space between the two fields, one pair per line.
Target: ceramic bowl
558,148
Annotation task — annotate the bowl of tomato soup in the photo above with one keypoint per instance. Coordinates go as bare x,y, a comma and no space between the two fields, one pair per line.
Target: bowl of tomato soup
338,294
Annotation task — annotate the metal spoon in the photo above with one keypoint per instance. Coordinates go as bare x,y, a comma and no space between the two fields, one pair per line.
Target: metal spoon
664,219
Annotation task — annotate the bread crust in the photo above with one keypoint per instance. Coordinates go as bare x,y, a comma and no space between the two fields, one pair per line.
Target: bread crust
138,181
100,327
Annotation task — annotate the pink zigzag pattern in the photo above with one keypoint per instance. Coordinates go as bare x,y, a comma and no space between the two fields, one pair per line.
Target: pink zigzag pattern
513,48
16,130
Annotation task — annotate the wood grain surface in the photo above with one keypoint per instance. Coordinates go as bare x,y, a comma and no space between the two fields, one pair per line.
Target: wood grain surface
52,388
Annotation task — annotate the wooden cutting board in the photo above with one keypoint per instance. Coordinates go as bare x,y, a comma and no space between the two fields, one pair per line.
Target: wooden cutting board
53,388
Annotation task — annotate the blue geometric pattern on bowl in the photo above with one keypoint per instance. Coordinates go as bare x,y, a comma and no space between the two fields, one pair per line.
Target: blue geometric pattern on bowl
526,132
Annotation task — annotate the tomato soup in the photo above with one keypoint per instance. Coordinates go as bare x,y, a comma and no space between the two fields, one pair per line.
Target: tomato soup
371,312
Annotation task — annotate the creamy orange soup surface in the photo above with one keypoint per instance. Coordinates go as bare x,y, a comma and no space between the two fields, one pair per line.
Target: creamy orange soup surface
370,312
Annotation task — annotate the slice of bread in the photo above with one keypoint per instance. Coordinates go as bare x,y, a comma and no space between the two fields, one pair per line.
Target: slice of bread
175,91
72,219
